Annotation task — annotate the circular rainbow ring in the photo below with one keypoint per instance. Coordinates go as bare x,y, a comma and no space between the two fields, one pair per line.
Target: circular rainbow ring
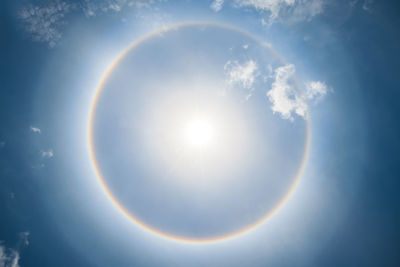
113,199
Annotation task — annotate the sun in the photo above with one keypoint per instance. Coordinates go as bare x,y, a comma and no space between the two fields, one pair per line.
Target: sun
199,132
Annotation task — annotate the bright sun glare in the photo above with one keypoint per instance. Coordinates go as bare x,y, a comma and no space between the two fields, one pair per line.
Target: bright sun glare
199,132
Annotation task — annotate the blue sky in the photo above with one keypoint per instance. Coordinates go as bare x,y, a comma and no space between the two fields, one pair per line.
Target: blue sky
332,64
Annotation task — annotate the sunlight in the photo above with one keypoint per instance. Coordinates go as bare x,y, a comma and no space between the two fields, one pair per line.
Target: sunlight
199,132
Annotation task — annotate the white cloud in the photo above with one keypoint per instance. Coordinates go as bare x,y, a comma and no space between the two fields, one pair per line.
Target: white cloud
243,75
287,98
10,257
293,10
315,89
15,259
35,130
47,154
43,22
3,256
367,5
272,6
216,5
93,8
282,95
307,9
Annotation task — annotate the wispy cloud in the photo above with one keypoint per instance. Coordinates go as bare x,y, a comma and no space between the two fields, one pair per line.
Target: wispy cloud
242,75
93,8
35,129
43,22
156,20
287,98
24,238
295,10
272,6
47,153
9,257
367,5
216,5
315,90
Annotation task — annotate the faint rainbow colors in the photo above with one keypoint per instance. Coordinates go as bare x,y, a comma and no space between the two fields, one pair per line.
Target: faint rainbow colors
114,200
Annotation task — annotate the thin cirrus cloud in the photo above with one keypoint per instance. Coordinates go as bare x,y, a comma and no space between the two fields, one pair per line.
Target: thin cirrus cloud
45,23
294,10
288,99
96,7
243,75
367,5
217,5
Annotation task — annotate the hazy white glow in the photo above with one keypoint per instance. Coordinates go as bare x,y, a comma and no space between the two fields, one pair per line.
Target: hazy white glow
199,132
161,136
